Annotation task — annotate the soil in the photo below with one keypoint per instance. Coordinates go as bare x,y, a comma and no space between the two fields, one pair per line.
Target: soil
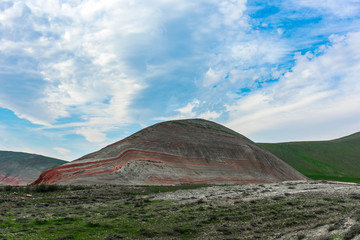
336,229
287,210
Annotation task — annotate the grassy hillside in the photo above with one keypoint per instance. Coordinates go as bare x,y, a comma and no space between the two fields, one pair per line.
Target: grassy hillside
337,159
24,166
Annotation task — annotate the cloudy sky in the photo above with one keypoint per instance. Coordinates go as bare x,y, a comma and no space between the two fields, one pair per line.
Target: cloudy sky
78,75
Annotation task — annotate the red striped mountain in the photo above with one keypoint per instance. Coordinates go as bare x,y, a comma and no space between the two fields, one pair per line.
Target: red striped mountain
193,151
18,168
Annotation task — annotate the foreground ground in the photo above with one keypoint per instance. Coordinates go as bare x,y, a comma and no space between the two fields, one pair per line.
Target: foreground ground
289,210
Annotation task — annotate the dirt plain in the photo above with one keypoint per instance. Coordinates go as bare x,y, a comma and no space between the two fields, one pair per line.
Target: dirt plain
287,210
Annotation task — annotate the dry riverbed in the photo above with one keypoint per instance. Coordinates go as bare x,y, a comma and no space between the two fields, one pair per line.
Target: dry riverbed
288,210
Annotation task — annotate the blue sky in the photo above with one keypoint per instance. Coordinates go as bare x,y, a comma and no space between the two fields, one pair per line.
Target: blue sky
78,75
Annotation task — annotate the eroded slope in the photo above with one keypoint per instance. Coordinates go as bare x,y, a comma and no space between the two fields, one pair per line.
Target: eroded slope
191,151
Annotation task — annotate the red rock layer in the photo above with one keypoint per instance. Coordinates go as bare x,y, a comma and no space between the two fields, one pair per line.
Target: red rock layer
176,152
12,180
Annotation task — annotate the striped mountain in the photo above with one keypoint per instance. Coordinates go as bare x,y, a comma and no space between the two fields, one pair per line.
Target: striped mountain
18,168
192,151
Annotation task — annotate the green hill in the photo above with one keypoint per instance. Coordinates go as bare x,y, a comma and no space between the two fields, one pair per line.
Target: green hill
17,168
337,159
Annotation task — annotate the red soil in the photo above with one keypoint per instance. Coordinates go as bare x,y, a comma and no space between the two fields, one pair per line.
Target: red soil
12,180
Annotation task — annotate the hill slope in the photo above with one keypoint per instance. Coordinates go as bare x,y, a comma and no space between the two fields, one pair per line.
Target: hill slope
193,151
17,168
337,159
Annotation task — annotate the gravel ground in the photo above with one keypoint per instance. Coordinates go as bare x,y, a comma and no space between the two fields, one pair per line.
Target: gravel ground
288,210
345,228
258,191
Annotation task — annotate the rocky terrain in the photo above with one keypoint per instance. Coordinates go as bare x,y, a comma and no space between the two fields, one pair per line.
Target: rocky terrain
287,210
193,151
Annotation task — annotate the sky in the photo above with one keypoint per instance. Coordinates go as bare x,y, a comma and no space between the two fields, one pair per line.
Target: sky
78,75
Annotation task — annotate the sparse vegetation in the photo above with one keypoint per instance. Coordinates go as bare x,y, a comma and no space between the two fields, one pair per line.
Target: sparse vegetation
354,231
198,123
130,212
37,189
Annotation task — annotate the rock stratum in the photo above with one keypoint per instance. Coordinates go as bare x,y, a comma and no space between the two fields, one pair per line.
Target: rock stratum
193,151
18,168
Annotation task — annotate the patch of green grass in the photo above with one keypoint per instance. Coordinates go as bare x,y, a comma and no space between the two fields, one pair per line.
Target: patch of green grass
337,237
333,178
336,160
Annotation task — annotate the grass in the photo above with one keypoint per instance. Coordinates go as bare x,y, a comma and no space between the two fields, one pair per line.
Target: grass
114,212
146,190
39,188
337,160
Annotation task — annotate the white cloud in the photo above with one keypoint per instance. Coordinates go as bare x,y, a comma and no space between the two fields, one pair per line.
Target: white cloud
320,91
243,51
81,56
232,11
184,112
188,109
80,52
9,17
193,109
212,77
92,135
342,9
62,151
209,115
254,52
65,68
90,62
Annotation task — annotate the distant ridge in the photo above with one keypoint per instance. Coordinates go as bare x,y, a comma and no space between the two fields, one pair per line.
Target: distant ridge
192,151
18,168
337,159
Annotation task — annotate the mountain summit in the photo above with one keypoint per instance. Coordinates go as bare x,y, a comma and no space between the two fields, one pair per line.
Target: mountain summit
192,151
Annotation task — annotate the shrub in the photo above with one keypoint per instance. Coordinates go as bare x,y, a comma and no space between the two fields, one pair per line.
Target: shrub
113,236
353,231
78,187
147,233
93,224
40,221
224,230
48,188
65,238
356,216
355,196
301,236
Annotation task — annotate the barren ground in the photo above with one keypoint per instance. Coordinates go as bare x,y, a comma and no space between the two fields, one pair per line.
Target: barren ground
288,210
